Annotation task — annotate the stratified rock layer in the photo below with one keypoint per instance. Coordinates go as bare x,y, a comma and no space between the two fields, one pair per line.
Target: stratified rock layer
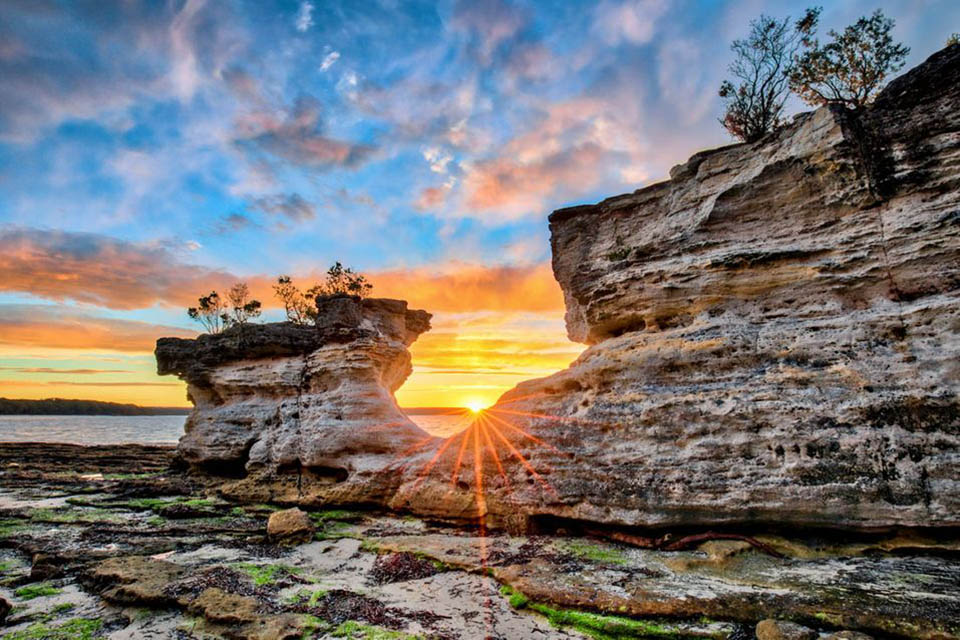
307,410
775,338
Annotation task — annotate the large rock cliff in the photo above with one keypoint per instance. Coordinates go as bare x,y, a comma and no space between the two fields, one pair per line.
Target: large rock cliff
775,339
304,412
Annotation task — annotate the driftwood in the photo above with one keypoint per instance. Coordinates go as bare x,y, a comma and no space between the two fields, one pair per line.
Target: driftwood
667,543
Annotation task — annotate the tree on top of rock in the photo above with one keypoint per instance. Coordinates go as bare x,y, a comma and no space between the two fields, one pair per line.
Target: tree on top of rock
216,314
242,307
210,312
300,306
851,68
342,279
761,70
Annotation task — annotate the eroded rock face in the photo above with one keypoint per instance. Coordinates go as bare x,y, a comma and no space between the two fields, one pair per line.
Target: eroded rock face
307,409
775,337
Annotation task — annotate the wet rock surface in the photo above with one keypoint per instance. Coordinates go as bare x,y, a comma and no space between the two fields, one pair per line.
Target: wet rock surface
128,572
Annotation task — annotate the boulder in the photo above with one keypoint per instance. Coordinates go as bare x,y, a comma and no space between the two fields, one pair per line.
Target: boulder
290,526
136,580
783,630
218,606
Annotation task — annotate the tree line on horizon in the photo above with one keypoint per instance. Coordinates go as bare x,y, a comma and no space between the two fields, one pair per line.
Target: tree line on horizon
778,58
237,308
71,407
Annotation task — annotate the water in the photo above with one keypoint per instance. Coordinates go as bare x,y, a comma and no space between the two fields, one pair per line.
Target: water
149,429
92,429
440,424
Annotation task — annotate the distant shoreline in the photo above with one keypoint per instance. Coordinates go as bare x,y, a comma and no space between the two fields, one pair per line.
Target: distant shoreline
68,407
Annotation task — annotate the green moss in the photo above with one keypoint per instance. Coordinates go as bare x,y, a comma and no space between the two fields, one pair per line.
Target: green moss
335,514
157,504
313,625
517,599
307,597
266,507
9,566
197,502
73,516
9,528
147,504
829,618
38,590
369,546
130,476
63,607
594,625
595,553
358,631
266,574
604,627
335,530
76,629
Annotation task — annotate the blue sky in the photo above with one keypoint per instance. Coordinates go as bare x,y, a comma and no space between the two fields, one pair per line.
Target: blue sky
150,150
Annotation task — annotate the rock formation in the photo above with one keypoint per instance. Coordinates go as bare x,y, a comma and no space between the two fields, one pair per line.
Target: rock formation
302,411
774,341
775,338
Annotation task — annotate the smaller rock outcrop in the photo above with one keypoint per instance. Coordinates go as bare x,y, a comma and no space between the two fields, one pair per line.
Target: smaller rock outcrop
302,412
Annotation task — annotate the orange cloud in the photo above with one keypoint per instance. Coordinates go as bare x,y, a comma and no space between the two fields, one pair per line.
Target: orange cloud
116,274
41,326
100,270
431,198
466,287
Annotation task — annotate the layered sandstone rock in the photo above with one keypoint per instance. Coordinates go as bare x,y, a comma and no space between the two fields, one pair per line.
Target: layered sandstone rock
301,410
775,339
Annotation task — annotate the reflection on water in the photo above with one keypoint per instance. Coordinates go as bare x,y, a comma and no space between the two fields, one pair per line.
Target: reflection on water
443,424
92,429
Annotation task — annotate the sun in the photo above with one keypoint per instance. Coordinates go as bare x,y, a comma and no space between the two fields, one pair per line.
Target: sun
475,406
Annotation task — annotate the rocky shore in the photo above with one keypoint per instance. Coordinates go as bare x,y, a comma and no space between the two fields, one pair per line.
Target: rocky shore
89,549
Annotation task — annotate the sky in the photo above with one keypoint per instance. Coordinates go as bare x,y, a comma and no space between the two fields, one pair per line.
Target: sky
153,151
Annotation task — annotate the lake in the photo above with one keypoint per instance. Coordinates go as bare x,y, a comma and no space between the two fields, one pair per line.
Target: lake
147,429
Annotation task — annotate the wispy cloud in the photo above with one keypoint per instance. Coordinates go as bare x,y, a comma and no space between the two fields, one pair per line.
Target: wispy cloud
296,135
329,60
304,16
630,21
291,206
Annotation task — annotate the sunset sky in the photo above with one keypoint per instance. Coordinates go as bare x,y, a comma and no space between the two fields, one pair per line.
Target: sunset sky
152,151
